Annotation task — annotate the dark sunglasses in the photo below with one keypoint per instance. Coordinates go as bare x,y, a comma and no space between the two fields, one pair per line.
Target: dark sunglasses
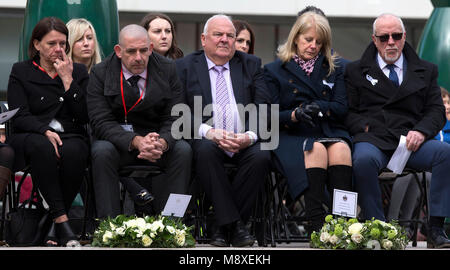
395,36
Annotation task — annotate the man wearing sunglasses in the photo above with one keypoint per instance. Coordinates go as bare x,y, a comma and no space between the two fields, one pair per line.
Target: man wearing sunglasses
392,92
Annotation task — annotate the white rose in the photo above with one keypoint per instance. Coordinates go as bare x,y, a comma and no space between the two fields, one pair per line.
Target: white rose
140,223
333,239
387,244
106,236
112,226
180,237
120,231
355,228
130,223
357,238
146,240
324,237
159,225
170,229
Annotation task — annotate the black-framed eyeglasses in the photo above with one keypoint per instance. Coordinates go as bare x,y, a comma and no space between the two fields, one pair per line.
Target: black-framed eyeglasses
395,36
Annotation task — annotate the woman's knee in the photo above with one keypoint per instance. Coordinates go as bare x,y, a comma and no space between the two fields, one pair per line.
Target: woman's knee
317,157
339,154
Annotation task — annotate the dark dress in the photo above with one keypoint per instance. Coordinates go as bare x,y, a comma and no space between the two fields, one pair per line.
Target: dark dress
42,99
290,86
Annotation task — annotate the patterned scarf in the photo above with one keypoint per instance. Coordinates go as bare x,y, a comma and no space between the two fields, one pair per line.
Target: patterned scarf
307,66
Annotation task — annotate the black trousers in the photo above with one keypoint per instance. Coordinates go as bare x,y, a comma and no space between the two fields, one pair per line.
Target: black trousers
59,181
232,200
106,161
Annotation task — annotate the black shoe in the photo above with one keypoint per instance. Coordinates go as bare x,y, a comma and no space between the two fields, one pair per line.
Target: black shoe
143,197
220,237
66,237
437,238
240,237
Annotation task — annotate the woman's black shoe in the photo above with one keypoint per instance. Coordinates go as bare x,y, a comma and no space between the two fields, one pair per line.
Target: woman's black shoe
51,240
66,237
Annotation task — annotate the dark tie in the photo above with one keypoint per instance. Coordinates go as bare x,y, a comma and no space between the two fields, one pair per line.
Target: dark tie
134,84
392,74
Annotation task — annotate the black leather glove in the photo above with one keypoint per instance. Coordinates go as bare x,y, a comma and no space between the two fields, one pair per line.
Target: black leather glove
302,116
312,109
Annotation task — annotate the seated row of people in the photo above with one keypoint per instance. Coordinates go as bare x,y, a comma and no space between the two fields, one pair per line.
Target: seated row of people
334,126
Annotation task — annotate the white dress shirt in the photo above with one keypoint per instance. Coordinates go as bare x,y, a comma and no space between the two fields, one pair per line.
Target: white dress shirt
398,67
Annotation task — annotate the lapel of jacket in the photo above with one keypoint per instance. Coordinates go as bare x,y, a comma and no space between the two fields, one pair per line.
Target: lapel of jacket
373,77
40,77
297,71
236,73
201,68
413,77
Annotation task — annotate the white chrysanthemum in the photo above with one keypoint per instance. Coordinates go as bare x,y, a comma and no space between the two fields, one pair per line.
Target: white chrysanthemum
355,228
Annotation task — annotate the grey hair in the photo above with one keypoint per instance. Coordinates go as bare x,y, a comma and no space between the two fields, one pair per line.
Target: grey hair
223,16
132,30
388,15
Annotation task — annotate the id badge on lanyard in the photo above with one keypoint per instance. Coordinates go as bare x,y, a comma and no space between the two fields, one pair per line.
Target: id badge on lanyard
126,126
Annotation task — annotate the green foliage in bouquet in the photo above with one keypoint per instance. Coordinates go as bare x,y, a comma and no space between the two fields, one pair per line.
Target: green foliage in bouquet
350,234
138,232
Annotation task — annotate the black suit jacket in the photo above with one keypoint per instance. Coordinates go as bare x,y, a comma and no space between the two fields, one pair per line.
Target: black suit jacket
246,76
41,99
388,111
152,114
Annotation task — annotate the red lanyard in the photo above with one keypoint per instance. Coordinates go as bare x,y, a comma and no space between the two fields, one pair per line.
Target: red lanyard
123,97
41,68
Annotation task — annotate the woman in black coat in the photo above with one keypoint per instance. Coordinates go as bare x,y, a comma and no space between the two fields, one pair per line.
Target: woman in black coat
48,130
314,149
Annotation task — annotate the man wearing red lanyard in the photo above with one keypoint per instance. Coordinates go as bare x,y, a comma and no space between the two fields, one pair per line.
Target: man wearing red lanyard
130,98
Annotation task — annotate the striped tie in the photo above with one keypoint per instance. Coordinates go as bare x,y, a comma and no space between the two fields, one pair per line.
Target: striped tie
223,101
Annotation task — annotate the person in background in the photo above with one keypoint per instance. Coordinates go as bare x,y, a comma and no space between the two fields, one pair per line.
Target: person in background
245,38
315,147
394,93
444,134
161,31
48,130
84,47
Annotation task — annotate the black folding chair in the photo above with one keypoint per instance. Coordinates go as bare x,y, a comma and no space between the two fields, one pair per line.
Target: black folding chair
387,179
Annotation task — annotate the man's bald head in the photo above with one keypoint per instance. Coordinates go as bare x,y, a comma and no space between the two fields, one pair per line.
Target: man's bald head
132,31
134,48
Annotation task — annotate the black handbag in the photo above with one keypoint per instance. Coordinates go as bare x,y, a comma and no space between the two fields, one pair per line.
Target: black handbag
25,224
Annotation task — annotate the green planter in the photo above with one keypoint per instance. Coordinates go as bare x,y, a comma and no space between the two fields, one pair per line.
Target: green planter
102,14
434,45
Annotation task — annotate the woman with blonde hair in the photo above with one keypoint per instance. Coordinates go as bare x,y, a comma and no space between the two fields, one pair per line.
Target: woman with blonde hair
84,48
307,82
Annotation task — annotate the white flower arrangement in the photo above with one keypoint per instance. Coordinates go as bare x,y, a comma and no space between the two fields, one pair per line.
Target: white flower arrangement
131,231
350,234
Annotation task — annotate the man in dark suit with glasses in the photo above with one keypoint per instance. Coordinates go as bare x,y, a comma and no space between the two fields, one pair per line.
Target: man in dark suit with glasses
392,92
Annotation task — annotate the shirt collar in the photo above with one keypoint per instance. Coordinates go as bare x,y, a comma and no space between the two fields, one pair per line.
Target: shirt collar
127,74
211,64
398,63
